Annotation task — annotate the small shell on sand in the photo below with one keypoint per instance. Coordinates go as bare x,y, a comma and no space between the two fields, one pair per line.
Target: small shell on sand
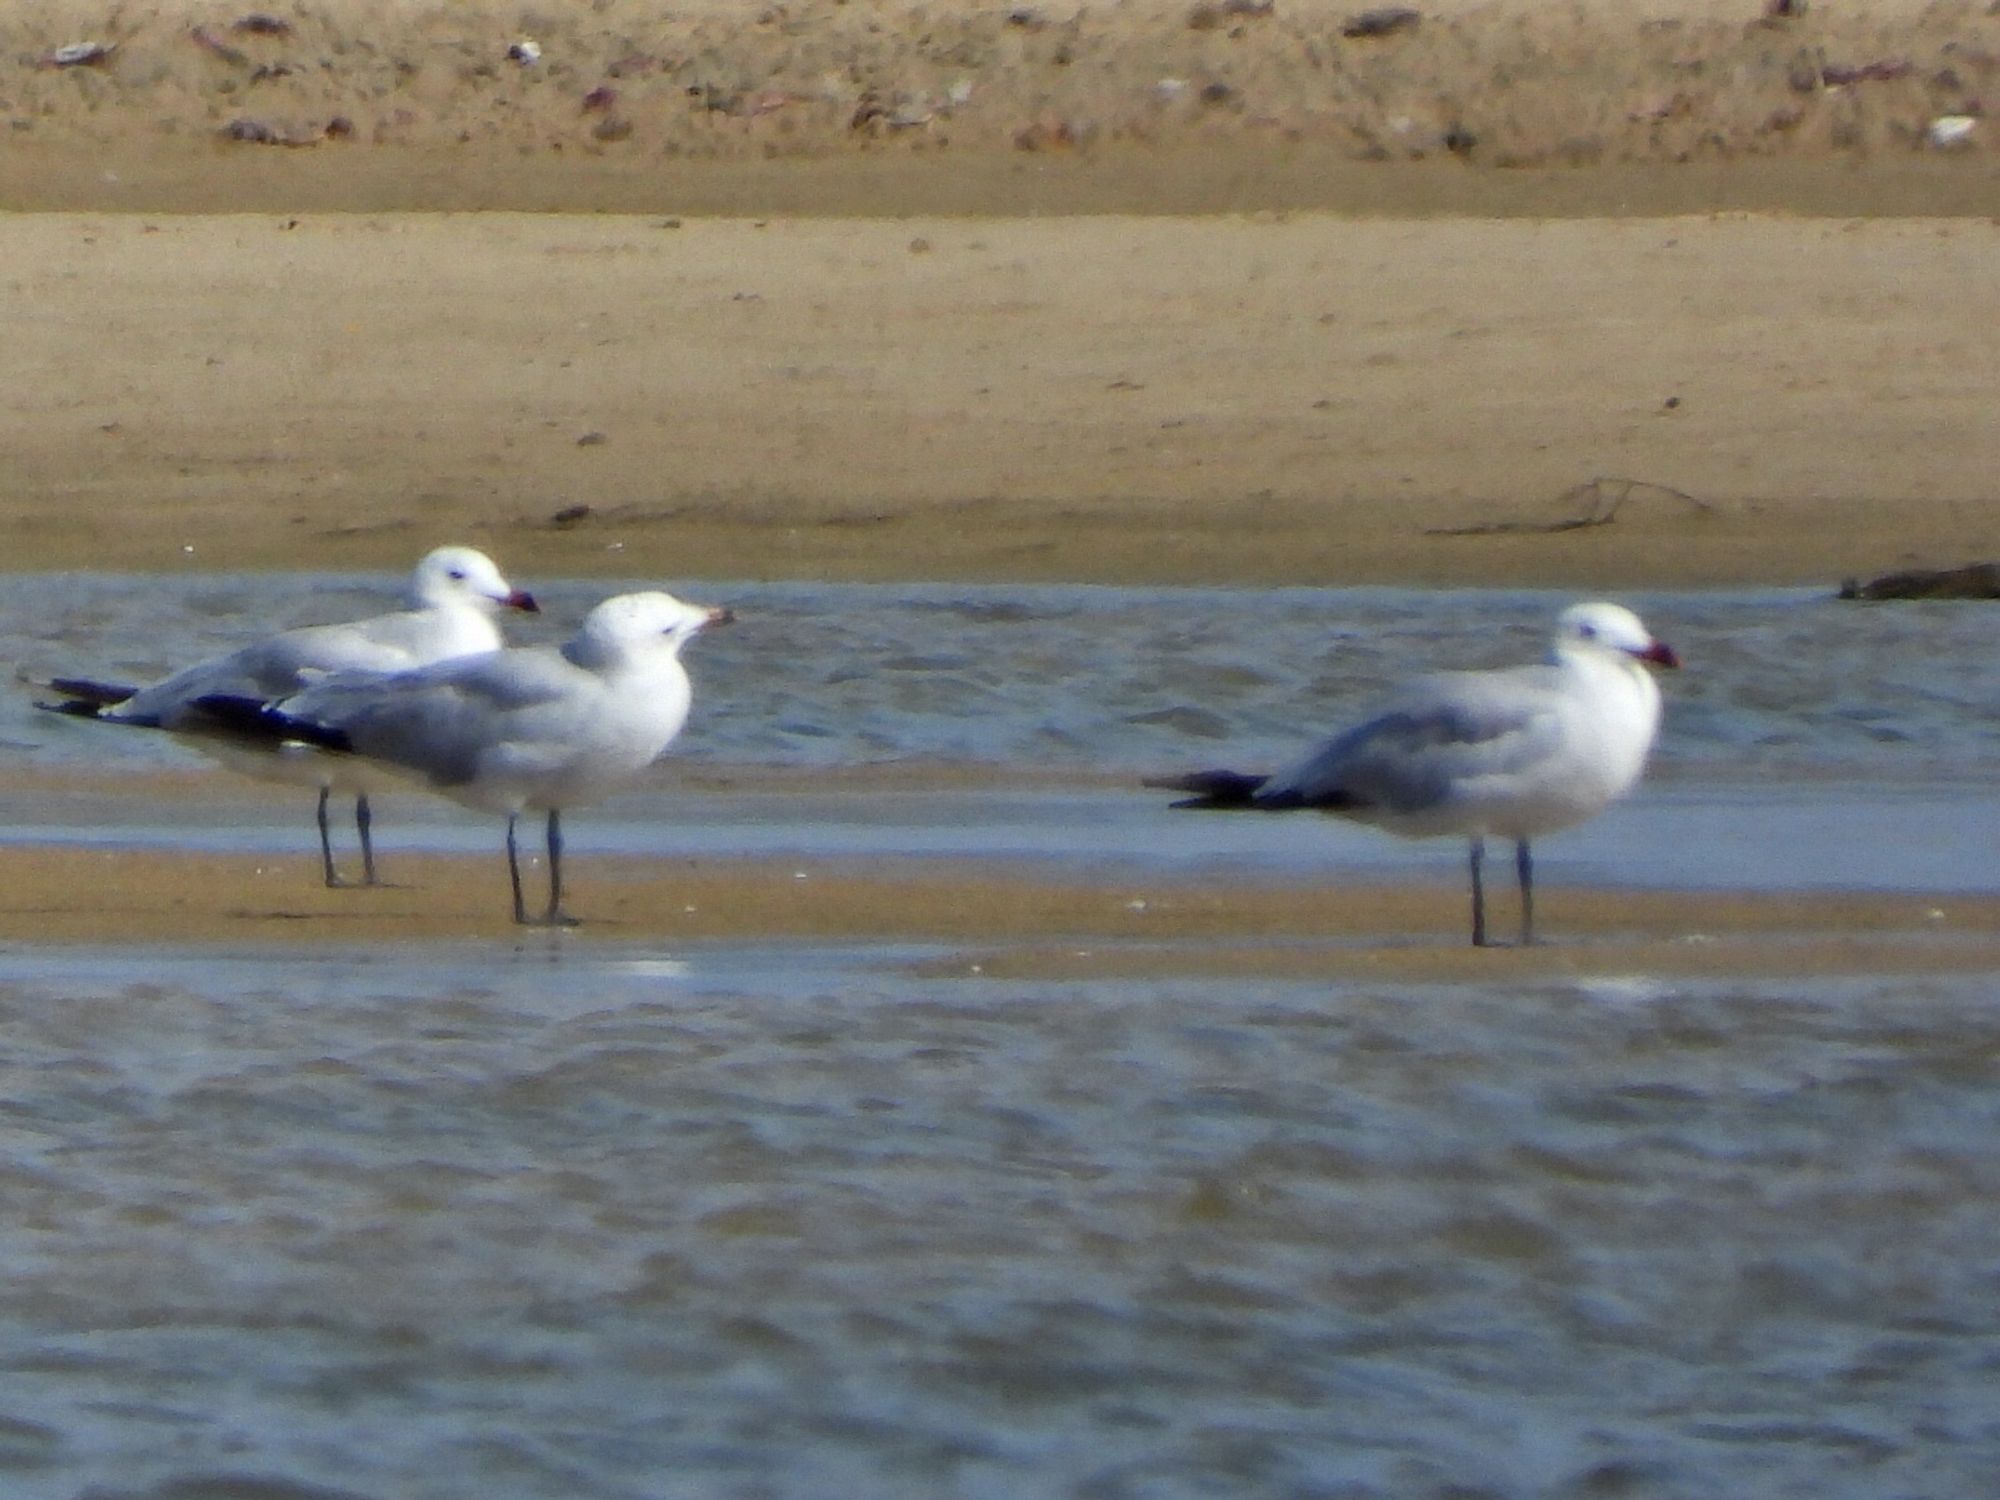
80,54
1947,131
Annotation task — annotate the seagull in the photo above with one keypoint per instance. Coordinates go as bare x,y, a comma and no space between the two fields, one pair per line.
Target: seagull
537,728
454,596
1513,753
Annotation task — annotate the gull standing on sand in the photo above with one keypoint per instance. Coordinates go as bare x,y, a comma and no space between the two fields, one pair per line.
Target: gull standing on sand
454,595
1514,753
530,729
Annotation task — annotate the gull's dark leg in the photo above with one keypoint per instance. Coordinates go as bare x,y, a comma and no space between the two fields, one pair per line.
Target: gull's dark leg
514,872
1478,895
1524,873
556,917
364,824
331,875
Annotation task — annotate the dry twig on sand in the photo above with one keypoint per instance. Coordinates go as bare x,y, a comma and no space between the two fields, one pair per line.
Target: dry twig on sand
1595,502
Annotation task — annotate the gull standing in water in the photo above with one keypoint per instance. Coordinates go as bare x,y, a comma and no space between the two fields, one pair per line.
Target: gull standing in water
455,594
1514,753
530,729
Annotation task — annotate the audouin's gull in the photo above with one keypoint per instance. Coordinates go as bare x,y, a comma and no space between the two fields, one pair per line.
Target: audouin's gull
454,595
1514,753
512,731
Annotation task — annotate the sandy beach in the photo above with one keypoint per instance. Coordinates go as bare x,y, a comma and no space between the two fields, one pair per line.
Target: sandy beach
1587,296
1301,398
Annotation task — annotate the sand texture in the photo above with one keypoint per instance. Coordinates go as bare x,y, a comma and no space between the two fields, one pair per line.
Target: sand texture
1000,925
937,291
402,103
1304,398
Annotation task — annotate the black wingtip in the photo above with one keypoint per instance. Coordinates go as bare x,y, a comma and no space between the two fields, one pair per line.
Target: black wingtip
75,708
78,697
1213,789
257,719
88,689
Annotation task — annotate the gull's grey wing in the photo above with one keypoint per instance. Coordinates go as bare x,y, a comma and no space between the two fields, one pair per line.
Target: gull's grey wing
1445,731
266,669
271,668
439,720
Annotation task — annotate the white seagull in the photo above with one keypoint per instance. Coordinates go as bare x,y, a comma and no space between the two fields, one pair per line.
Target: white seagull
536,728
1514,753
455,594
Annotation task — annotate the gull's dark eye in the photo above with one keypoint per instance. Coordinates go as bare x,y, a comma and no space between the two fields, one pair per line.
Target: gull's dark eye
456,575
1587,631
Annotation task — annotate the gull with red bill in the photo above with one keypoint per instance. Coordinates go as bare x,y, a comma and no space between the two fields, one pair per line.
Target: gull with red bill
455,595
536,728
1513,753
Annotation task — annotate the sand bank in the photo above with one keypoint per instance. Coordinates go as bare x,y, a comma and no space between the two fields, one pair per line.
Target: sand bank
999,925
1276,398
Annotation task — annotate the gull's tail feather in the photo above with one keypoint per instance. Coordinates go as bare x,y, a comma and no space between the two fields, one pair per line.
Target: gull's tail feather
80,697
1213,789
255,718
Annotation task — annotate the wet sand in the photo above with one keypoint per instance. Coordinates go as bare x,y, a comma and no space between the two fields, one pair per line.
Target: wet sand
998,925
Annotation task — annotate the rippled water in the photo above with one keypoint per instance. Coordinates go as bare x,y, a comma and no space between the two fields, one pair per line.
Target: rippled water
1120,679
590,1220
797,1223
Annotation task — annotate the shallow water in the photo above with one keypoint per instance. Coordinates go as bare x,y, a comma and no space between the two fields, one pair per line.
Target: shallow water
797,1223
1104,680
582,1220
1811,744
1699,836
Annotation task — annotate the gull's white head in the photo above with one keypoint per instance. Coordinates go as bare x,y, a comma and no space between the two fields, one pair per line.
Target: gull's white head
464,575
1598,626
627,623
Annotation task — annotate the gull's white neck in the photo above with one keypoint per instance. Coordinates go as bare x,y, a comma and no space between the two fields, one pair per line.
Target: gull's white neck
458,627
1619,688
